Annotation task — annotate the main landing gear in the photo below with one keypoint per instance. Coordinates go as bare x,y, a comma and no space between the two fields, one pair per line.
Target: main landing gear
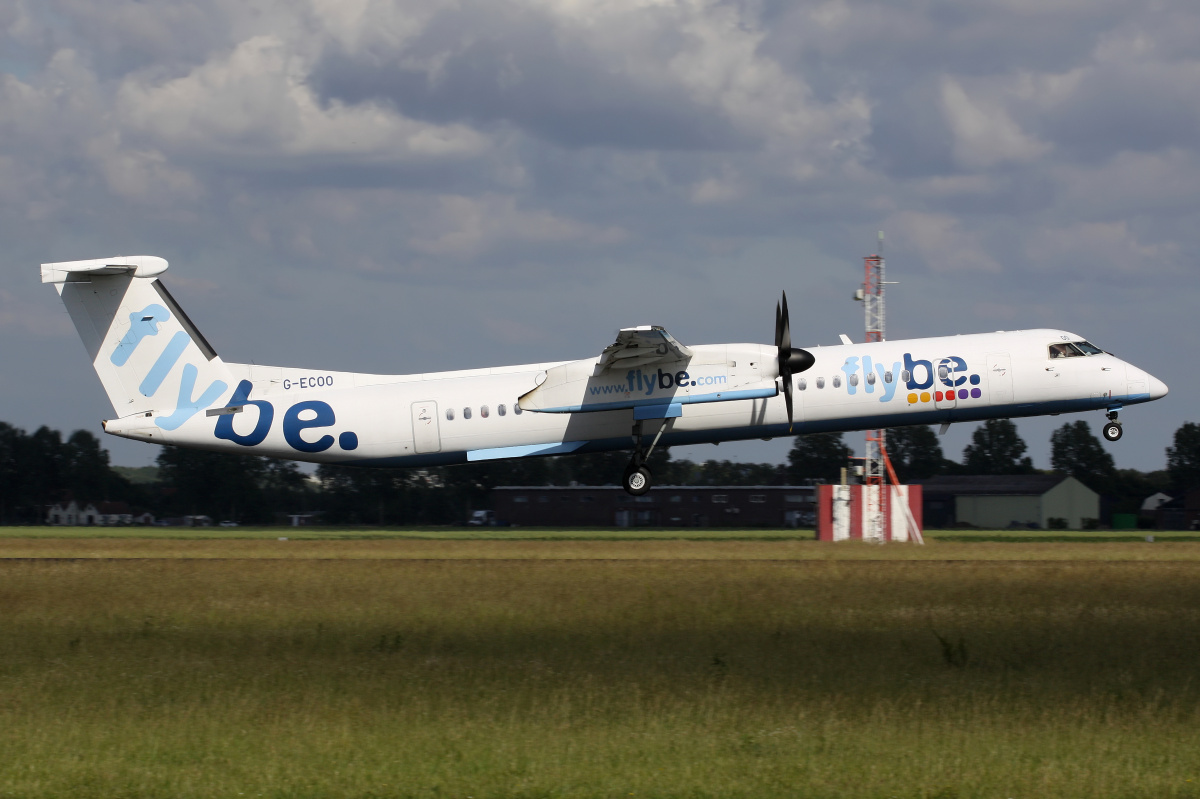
637,479
1112,428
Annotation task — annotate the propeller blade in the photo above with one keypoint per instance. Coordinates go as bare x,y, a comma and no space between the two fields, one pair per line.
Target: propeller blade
778,325
787,399
785,343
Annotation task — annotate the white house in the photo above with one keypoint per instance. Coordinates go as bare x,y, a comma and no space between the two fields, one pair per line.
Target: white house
73,514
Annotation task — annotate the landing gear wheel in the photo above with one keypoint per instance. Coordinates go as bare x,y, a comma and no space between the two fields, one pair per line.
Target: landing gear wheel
637,480
1113,430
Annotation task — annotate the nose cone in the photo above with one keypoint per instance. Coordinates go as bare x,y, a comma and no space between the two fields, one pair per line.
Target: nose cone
1158,389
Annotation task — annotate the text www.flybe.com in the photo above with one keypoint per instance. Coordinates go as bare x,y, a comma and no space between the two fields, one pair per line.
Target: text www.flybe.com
636,382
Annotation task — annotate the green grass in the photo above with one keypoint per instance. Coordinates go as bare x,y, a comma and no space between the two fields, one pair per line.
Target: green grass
563,534
418,533
603,675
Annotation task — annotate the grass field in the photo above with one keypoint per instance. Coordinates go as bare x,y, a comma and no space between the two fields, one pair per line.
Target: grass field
561,534
487,668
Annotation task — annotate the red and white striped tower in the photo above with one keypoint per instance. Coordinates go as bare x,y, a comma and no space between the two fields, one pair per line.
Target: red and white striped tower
876,526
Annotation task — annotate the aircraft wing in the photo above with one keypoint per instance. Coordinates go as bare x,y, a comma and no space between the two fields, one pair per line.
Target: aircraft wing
638,346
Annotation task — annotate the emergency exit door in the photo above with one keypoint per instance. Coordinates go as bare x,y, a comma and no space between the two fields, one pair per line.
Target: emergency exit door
426,437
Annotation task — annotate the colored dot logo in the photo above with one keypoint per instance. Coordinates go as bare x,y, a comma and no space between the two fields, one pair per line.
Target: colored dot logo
939,396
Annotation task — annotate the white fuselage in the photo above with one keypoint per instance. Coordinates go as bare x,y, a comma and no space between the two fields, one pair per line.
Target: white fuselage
452,417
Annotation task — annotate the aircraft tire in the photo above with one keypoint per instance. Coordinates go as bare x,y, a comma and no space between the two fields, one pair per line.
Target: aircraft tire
1113,431
637,480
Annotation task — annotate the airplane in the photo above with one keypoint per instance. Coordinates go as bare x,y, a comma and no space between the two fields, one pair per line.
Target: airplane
167,385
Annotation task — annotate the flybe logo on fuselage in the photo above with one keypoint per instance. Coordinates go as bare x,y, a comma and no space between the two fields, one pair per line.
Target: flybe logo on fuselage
926,381
647,384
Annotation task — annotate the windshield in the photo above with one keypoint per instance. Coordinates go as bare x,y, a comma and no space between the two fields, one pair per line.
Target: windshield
1074,349
1063,350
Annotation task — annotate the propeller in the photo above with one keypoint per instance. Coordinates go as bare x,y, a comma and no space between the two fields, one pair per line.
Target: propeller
791,361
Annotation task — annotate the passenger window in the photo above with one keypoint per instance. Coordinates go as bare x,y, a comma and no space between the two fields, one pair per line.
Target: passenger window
837,381
803,384
466,413
870,378
887,377
500,409
820,382
517,409
483,411
906,375
450,414
943,372
852,380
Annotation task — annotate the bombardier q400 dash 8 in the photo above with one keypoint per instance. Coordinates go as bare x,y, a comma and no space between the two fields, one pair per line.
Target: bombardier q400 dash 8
168,386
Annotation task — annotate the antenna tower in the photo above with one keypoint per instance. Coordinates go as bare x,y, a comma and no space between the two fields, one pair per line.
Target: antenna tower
875,471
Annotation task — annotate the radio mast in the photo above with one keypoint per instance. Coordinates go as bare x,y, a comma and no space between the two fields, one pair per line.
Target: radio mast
876,516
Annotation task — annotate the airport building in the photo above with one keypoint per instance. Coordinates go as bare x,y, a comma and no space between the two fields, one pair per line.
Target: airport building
663,506
997,502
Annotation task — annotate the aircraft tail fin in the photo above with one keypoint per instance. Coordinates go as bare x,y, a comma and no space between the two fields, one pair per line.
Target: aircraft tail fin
150,358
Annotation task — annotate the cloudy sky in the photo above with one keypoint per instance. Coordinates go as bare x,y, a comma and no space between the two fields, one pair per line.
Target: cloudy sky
413,186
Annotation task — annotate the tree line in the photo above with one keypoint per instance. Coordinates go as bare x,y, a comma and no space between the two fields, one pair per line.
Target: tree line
41,468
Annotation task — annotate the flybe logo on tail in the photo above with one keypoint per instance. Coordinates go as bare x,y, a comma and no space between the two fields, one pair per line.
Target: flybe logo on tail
300,417
925,381
318,415
144,324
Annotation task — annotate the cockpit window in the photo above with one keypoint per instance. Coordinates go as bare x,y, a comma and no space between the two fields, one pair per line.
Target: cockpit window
1065,350
1089,348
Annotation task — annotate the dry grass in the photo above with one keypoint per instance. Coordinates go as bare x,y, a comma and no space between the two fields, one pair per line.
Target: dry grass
502,669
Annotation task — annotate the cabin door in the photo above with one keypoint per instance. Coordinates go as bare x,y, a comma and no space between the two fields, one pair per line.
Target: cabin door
425,427
999,378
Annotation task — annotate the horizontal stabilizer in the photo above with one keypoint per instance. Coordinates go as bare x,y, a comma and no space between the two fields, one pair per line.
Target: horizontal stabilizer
136,265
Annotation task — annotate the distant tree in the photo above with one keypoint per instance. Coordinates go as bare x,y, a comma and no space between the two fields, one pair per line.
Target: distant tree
85,469
818,457
38,470
42,466
218,484
12,481
1074,450
284,487
355,495
732,473
606,468
915,452
1183,459
996,448
1130,488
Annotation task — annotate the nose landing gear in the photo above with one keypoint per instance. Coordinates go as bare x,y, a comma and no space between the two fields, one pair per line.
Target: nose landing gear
1112,428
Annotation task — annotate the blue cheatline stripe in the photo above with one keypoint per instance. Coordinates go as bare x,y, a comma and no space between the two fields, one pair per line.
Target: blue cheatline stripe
495,453
162,367
658,411
676,399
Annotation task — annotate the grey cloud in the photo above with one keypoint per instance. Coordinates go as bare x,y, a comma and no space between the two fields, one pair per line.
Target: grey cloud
492,63
1117,107
614,165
